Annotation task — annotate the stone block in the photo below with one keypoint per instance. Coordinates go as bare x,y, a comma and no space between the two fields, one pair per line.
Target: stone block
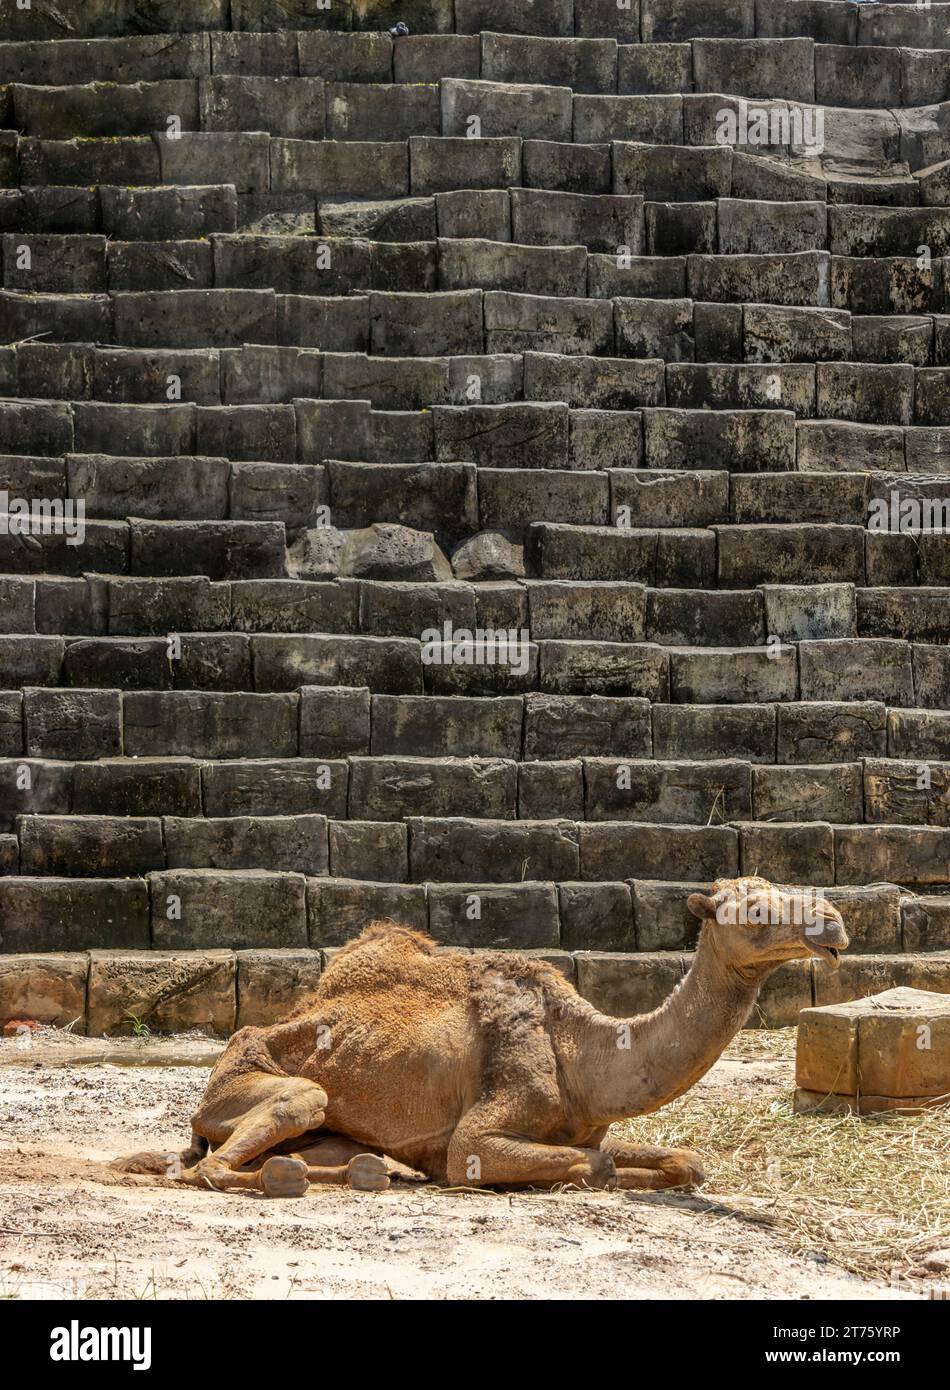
715,731
339,909
168,992
48,988
70,914
615,850
882,1052
447,851
196,909
623,984
520,916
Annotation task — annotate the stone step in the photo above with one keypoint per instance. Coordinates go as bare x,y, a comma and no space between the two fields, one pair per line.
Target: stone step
426,166
190,515
890,669
709,307
150,215
545,437
548,390
869,157
468,323
285,102
370,800
676,268
216,990
221,25
202,909
500,441
84,606
789,751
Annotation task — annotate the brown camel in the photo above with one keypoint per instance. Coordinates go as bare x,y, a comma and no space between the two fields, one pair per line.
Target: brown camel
484,1069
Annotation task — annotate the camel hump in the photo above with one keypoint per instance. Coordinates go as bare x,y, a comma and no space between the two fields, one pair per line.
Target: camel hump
386,929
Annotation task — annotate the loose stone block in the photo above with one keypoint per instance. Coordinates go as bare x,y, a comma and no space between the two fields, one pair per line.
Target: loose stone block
885,1052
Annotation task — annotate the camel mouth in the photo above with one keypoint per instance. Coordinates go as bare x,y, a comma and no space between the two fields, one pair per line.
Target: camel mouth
829,954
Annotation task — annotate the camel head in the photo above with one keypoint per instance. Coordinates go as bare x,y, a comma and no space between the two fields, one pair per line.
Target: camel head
757,924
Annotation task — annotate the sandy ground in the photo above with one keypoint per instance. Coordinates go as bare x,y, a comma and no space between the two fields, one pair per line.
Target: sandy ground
71,1227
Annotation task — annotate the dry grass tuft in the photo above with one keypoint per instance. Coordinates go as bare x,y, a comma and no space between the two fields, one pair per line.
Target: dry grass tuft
871,1194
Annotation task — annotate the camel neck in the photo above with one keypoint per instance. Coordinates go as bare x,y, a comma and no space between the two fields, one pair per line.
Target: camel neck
645,1061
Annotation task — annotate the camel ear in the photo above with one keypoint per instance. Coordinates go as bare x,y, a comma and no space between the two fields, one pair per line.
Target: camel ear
700,905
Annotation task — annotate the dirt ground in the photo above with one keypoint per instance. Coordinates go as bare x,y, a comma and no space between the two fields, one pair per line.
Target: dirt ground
70,1227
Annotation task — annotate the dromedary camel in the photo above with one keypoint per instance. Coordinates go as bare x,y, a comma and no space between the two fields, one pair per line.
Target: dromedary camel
484,1069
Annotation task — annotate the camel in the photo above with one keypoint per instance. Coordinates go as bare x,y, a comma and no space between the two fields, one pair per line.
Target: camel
484,1069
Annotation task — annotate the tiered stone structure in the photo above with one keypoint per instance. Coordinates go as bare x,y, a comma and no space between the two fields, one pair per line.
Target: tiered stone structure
625,327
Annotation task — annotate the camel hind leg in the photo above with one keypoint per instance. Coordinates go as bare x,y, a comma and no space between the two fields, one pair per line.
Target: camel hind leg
245,1117
257,1112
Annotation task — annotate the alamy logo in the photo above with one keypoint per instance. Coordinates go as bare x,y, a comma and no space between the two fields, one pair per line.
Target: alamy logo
75,1343
805,909
481,646
43,516
787,126
897,513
